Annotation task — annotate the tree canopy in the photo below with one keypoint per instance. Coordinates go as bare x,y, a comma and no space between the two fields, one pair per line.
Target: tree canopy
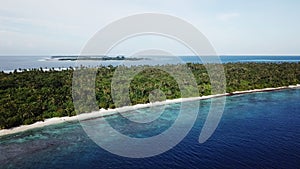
34,95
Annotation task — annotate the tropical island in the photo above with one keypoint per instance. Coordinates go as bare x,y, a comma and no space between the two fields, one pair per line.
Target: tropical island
34,95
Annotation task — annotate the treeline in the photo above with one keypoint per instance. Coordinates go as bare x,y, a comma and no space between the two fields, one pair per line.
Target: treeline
30,96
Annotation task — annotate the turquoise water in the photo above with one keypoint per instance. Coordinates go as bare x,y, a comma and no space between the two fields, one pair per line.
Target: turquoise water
258,130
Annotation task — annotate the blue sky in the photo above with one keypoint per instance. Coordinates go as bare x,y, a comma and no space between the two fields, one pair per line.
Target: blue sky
48,27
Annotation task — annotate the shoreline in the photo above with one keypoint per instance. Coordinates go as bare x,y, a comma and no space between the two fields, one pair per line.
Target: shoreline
107,112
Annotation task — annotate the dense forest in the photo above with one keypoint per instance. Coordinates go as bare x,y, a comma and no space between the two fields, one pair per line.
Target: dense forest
33,95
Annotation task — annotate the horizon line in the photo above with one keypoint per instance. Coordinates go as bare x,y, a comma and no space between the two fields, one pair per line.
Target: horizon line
153,55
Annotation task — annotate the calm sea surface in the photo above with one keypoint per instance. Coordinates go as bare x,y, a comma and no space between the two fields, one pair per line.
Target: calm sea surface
258,130
9,63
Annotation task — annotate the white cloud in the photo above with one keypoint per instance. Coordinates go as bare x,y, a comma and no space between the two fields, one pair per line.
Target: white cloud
12,42
65,25
228,16
13,23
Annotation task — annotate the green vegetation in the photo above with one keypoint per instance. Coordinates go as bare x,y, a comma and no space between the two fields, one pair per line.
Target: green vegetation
30,96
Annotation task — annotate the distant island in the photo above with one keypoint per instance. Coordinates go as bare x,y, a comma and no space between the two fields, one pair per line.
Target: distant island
95,57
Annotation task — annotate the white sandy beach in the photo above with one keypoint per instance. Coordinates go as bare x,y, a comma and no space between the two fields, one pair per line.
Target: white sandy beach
104,112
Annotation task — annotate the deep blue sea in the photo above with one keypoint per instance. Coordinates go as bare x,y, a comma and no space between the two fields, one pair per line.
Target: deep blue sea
258,130
10,63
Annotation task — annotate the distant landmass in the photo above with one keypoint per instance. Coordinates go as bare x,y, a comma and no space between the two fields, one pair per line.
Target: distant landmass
74,58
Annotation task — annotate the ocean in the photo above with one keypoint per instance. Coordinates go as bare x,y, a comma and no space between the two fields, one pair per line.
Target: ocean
10,63
257,130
